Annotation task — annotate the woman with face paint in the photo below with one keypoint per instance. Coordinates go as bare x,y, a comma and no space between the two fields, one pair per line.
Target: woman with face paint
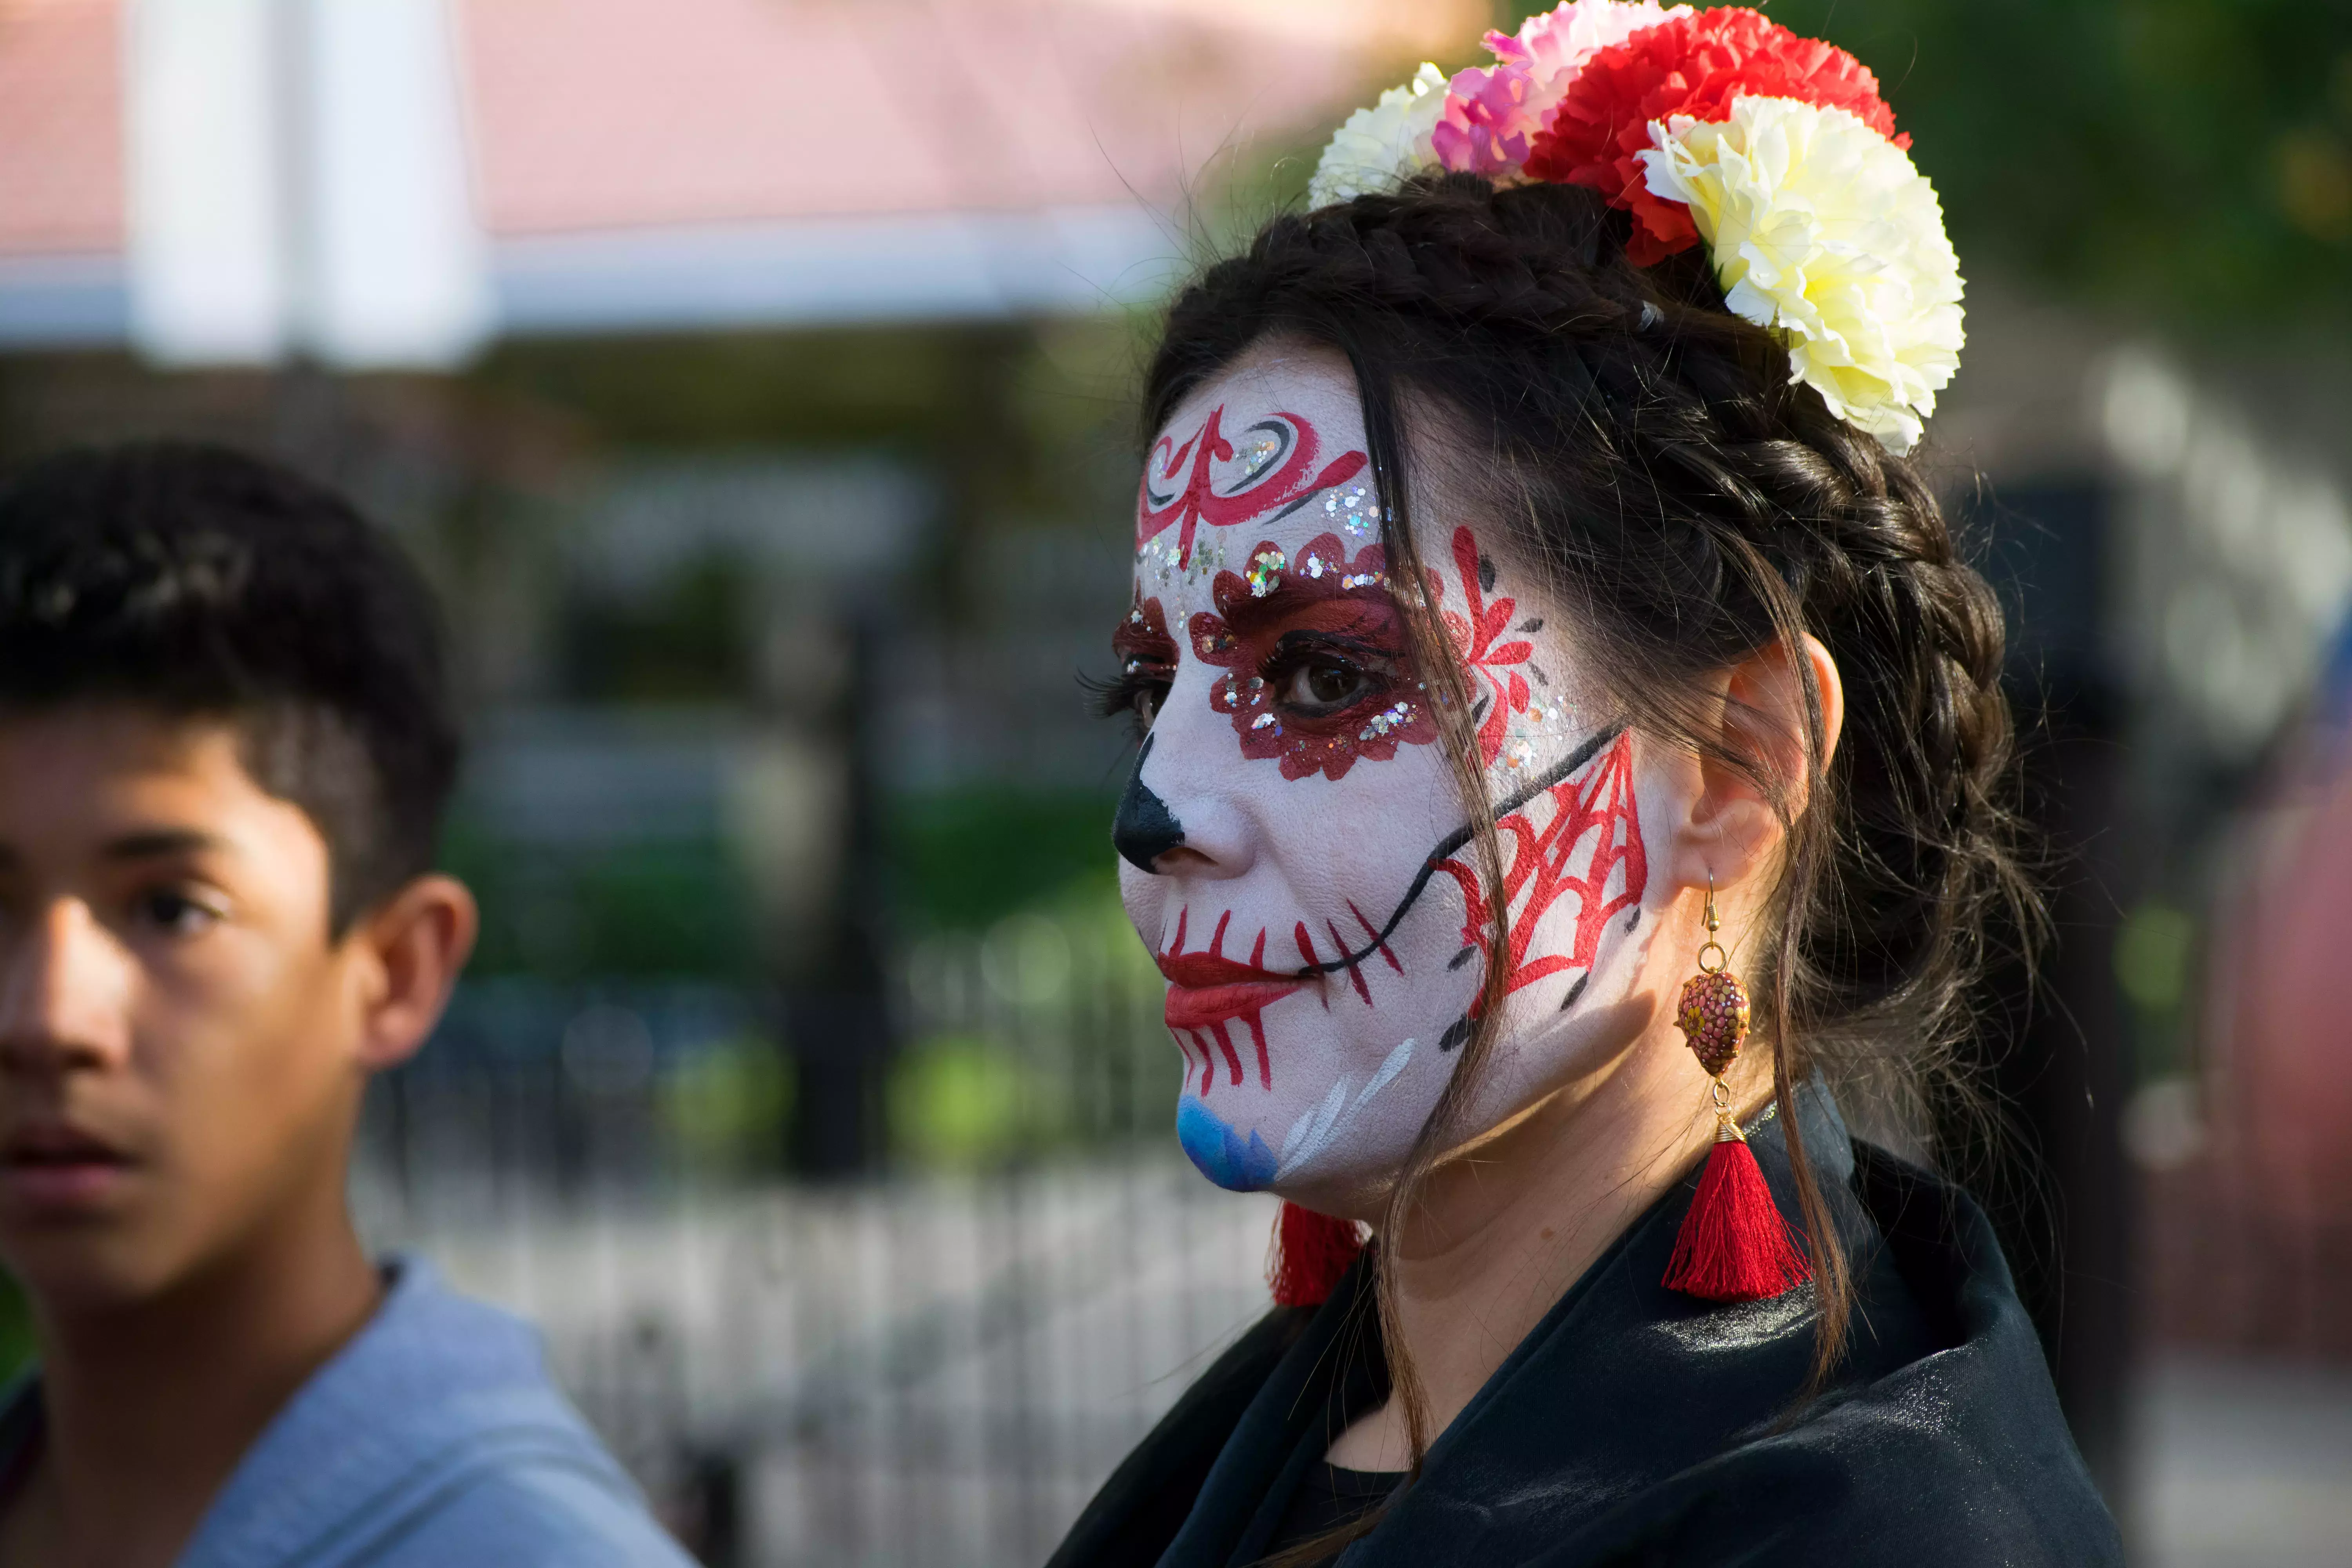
1531,589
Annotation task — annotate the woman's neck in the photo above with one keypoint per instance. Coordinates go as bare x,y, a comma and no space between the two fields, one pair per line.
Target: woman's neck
1509,1223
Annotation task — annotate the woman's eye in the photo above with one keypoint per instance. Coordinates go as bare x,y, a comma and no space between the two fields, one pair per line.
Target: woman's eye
1324,685
1138,694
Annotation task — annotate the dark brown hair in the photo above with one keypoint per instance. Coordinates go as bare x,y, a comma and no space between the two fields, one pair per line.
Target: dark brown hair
206,583
1645,452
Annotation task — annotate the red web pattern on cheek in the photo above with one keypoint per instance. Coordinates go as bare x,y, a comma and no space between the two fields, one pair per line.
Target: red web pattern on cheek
1477,638
1322,573
1538,870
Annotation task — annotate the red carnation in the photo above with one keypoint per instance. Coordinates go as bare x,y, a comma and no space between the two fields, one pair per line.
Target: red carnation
1695,64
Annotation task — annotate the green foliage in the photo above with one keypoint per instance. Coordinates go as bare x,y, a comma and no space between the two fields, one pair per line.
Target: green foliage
724,1108
2155,960
962,1101
17,1342
686,640
632,910
2189,161
967,859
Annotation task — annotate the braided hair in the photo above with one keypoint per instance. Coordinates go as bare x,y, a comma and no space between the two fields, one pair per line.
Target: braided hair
1646,453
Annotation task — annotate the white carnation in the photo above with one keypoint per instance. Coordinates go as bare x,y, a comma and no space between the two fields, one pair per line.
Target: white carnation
1820,228
1379,148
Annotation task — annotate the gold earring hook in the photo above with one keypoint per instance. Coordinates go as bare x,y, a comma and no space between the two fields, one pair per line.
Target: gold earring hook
1722,960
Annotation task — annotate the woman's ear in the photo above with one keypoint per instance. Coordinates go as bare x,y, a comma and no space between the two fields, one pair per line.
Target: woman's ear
1731,829
415,945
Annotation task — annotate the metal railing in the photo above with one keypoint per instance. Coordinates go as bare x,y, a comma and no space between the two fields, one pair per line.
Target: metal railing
937,1365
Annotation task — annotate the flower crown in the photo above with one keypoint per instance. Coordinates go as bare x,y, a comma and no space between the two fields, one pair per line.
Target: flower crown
1714,127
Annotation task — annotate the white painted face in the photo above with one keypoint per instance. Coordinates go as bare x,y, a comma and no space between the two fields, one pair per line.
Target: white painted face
1294,852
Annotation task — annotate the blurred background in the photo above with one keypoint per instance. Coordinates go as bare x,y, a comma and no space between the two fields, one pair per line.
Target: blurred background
753,378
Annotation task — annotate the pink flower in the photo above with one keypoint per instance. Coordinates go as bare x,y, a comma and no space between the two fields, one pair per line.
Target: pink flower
1484,127
1491,114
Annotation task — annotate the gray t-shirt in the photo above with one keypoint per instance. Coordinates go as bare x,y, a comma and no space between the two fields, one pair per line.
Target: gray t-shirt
434,1440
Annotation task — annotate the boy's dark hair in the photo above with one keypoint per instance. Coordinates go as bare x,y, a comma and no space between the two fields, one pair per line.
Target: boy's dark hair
204,582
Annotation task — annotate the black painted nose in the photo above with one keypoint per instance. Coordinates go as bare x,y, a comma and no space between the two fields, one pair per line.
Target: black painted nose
1144,829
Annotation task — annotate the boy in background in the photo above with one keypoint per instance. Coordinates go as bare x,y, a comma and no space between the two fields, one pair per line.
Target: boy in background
224,749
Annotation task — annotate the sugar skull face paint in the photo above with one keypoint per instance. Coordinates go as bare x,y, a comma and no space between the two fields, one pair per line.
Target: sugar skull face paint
1294,852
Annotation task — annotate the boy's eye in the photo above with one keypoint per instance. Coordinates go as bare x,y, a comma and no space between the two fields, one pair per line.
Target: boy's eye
175,913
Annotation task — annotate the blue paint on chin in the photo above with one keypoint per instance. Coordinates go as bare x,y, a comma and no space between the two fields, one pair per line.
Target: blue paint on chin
1236,1164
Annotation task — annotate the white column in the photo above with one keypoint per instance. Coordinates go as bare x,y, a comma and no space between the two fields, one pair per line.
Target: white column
300,179
207,241
401,274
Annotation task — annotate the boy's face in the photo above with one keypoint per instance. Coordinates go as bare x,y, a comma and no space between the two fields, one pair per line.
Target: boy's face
179,1037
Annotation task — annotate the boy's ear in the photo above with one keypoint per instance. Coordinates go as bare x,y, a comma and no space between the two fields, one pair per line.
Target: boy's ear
417,943
1732,829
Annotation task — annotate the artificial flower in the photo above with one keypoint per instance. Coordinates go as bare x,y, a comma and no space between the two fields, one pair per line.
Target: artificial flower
1696,65
1493,114
1379,148
1821,229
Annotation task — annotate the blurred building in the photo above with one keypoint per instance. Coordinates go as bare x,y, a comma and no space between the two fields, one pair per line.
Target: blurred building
396,183
748,372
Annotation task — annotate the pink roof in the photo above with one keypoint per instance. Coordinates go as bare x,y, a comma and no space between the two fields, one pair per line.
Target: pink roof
603,114
60,126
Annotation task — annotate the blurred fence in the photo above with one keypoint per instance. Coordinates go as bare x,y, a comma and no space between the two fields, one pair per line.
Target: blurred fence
937,1365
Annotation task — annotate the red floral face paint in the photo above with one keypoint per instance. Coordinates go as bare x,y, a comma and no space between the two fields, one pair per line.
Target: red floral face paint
1313,647
1481,632
1207,481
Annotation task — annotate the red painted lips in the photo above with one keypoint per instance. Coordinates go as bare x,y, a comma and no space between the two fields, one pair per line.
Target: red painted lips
1205,989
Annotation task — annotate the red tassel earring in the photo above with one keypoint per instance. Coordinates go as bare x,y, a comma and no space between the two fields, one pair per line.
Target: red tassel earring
1734,1245
1310,1252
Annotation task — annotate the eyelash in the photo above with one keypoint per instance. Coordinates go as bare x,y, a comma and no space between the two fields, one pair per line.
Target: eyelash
1374,665
205,911
1294,649
1117,697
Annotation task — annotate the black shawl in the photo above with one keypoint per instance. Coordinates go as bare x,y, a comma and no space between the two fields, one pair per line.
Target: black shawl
1638,1426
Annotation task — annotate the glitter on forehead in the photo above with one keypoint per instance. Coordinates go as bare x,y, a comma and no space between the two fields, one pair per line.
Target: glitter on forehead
1264,573
1205,498
1160,560
1353,508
